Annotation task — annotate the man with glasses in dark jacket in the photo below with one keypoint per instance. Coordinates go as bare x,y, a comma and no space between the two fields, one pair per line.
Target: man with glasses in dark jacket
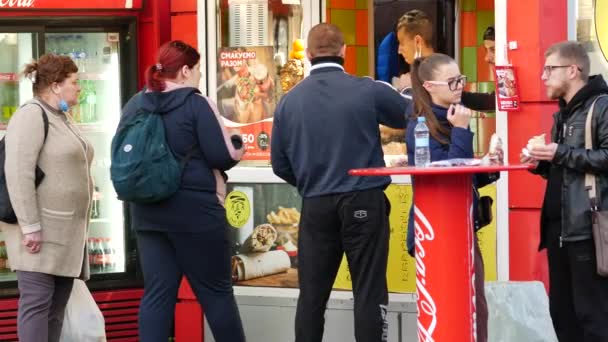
578,296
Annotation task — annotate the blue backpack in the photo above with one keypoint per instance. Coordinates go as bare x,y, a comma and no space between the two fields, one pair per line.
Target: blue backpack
144,169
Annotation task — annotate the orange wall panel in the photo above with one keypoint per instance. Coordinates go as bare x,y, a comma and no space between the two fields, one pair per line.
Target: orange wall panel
468,29
361,33
484,70
341,4
485,5
350,62
184,28
183,6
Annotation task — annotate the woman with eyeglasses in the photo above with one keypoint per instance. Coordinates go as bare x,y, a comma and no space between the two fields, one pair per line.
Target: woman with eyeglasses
186,234
437,86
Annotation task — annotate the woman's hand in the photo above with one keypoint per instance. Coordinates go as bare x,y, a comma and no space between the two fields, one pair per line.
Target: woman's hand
459,116
33,242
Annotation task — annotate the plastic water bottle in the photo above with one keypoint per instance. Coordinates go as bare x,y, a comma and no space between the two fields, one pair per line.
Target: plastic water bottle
422,153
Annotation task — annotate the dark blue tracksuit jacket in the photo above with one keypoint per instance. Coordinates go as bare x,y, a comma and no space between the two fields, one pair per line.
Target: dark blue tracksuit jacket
327,125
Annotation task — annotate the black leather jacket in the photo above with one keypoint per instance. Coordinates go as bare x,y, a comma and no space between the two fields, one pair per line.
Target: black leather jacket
575,161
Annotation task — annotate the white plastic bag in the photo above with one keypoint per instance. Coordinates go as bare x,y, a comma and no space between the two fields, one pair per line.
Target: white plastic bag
83,321
518,311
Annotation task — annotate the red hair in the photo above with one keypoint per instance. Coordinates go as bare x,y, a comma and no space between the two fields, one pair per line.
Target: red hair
172,56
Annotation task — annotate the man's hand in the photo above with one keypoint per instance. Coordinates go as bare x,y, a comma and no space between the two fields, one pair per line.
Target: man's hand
524,159
405,81
543,152
33,242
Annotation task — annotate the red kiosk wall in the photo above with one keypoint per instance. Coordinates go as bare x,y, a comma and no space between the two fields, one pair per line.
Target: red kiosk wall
183,21
154,29
534,25
189,318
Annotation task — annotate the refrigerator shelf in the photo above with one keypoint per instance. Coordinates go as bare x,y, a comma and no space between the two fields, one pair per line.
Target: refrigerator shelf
94,128
85,128
93,76
7,275
101,221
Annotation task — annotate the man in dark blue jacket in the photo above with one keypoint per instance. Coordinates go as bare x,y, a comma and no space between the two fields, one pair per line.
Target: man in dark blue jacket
325,126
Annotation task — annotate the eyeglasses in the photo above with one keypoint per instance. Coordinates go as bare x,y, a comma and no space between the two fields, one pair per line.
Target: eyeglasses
547,69
454,83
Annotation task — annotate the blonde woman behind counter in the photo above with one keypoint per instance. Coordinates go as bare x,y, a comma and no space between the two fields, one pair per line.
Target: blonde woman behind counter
47,247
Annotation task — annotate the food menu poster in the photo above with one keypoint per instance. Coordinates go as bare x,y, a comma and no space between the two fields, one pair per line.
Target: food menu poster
247,95
265,229
401,270
507,88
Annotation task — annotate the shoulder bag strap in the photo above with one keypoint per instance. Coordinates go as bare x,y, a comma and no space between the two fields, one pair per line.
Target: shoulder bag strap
45,119
590,178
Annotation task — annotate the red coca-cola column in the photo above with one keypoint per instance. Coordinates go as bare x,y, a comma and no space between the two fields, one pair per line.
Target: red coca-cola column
444,257
445,272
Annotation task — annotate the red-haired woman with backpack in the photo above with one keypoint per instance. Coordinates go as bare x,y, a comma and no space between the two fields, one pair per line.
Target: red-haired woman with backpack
186,233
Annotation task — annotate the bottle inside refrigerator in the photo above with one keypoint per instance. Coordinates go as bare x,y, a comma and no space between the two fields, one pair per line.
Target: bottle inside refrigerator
16,49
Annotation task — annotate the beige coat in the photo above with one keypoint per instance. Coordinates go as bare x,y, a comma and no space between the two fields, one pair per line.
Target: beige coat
60,206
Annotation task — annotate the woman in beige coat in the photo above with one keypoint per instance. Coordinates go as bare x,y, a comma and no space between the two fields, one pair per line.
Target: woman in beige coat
47,246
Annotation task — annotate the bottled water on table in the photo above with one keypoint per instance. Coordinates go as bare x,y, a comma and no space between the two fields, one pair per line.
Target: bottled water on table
422,153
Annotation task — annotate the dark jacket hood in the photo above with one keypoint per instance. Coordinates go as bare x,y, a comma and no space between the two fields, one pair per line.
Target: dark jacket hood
166,101
595,86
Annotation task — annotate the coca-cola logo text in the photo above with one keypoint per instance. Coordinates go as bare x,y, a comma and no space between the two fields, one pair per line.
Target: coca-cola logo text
427,309
17,3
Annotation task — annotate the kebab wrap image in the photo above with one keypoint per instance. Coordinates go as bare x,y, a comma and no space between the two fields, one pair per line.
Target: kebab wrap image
261,239
256,265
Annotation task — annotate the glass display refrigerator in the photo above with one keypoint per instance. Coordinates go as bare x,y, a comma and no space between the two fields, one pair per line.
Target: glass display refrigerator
105,52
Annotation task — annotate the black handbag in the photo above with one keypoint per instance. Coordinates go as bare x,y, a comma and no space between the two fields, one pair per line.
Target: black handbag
7,214
484,211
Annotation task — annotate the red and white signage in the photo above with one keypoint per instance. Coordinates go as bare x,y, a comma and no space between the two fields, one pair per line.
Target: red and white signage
507,88
67,4
8,76
444,258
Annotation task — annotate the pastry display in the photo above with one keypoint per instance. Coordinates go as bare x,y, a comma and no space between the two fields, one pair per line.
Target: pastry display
291,74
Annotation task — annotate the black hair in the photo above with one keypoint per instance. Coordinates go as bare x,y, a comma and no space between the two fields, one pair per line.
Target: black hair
488,34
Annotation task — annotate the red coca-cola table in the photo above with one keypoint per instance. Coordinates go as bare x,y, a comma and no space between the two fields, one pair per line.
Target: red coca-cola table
445,273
